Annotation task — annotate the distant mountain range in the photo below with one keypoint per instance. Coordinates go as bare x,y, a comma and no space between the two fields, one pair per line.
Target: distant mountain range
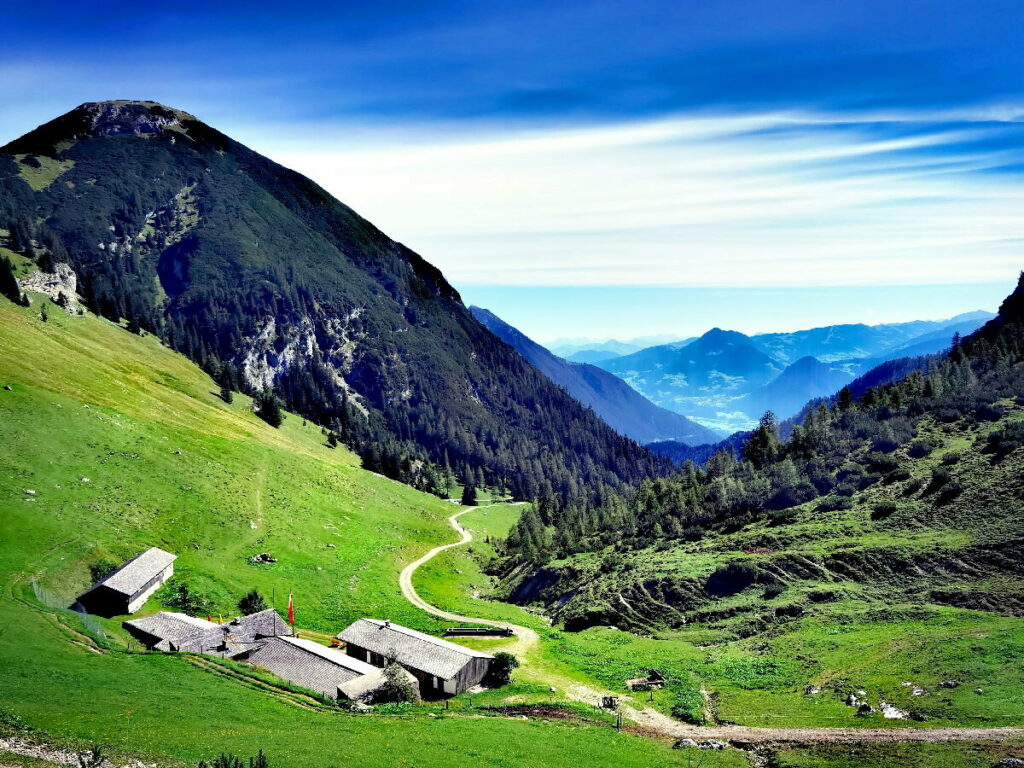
726,380
627,411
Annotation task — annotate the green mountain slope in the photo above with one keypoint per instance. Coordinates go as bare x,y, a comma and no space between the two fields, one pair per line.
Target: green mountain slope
126,445
261,277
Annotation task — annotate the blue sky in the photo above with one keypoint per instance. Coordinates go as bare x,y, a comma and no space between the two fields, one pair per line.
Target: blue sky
627,160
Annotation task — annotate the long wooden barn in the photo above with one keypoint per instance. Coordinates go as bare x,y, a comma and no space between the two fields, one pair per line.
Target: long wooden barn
442,668
127,589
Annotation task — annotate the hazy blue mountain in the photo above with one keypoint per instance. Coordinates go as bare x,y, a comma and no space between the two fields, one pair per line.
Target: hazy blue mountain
612,399
726,380
803,380
591,356
708,380
860,341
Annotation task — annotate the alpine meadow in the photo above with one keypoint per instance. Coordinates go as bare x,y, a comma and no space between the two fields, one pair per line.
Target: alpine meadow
683,427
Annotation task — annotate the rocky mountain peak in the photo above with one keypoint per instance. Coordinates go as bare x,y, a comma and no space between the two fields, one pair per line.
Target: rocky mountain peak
118,118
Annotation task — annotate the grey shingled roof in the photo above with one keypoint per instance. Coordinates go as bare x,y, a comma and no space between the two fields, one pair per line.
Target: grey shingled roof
309,664
268,623
137,572
410,648
185,632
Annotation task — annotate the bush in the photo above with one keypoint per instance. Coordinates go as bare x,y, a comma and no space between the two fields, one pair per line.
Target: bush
781,516
913,486
181,597
920,448
881,462
940,476
1005,440
101,569
252,603
835,503
949,492
396,688
772,591
501,669
883,509
950,458
897,476
731,579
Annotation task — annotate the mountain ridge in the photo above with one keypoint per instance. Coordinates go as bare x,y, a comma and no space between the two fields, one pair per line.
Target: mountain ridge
611,398
262,277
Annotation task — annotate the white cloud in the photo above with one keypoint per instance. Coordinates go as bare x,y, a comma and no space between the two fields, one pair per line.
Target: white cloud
772,199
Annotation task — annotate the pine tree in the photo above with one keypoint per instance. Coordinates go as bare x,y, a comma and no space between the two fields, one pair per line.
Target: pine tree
8,283
268,408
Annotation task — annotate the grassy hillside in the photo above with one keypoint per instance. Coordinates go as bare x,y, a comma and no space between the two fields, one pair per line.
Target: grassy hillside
126,445
876,595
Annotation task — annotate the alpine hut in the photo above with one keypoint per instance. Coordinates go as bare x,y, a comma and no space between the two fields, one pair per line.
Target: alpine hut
127,589
168,631
441,667
321,669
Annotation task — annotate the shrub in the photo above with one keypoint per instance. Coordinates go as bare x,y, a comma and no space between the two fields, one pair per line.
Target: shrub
772,591
988,412
949,492
883,509
1005,440
834,503
913,486
823,596
845,489
881,462
501,668
101,569
731,579
940,476
396,688
896,476
252,603
950,458
920,448
180,596
781,516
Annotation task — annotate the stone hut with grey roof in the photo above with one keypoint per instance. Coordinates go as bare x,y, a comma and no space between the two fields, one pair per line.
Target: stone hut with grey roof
441,667
168,631
324,670
127,589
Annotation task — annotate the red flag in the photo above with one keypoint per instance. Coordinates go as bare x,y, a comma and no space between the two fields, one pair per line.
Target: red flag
291,611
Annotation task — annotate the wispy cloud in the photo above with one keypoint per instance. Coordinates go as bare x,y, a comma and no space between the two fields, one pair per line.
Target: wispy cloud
778,198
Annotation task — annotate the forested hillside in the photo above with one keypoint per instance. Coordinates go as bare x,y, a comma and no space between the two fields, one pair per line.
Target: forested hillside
914,482
280,291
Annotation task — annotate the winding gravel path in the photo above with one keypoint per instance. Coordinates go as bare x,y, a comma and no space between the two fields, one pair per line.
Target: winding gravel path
656,723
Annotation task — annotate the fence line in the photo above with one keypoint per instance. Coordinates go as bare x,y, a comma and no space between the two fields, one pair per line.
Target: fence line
57,603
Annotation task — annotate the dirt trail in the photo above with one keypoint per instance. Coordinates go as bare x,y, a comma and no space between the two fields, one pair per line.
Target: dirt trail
656,723
525,638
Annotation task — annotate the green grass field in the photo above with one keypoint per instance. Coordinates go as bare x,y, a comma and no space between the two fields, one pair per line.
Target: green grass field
126,446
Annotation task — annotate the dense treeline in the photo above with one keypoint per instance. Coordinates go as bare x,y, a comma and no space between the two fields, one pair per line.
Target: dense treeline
839,447
285,294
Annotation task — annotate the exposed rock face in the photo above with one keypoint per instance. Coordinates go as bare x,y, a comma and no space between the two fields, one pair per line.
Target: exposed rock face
118,118
61,281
